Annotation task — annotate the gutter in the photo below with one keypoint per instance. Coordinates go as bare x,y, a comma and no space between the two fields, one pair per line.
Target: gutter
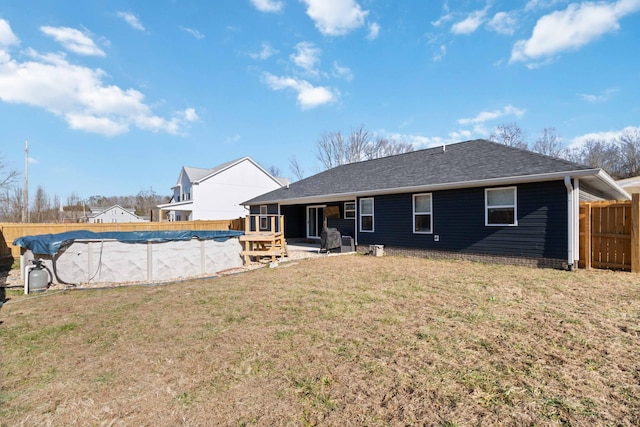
605,178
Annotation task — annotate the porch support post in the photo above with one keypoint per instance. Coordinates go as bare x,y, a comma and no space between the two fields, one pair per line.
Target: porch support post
586,239
570,223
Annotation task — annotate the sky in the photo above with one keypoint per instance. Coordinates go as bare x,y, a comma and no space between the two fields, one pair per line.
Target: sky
115,97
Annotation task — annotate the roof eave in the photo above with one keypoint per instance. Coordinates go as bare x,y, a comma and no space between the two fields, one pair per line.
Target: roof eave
616,192
175,205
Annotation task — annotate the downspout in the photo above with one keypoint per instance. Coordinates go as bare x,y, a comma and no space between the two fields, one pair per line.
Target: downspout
357,220
576,220
570,221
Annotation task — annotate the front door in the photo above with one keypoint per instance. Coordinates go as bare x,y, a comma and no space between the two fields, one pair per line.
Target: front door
315,220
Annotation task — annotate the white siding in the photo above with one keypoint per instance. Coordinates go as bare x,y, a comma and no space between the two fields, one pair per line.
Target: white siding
115,214
219,196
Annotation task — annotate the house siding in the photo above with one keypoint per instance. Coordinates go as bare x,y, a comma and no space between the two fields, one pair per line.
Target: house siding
459,222
345,226
294,221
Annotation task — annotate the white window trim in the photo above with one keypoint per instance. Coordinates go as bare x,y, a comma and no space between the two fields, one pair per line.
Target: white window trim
514,206
263,216
430,213
372,215
345,210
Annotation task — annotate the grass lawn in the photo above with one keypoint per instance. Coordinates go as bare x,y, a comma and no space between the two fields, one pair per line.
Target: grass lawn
336,341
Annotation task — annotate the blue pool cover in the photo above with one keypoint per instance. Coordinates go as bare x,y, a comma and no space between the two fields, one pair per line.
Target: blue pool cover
50,243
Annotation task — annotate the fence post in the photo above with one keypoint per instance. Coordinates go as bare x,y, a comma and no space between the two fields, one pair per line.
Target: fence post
635,233
587,236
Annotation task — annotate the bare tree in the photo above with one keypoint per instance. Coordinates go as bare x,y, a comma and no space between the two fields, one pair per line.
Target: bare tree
332,149
549,143
509,134
41,206
11,204
357,144
274,171
629,148
383,147
598,153
296,168
74,200
7,176
147,201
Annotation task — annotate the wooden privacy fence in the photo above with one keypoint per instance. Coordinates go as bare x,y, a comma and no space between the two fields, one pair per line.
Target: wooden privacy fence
11,231
610,235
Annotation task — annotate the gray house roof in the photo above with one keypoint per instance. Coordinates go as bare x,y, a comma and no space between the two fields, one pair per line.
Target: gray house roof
196,175
473,163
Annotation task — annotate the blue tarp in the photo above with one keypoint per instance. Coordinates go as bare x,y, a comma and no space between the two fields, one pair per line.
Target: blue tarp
50,244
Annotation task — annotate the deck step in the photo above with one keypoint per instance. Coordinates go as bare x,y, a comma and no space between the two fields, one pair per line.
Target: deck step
263,253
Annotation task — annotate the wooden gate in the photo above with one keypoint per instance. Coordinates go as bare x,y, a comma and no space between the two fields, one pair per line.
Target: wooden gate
609,235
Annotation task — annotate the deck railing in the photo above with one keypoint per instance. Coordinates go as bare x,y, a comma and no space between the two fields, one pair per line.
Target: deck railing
264,224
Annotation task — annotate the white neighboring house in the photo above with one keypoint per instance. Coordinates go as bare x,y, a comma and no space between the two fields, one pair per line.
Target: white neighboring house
115,213
210,194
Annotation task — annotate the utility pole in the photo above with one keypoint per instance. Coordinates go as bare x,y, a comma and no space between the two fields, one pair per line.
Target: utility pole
25,186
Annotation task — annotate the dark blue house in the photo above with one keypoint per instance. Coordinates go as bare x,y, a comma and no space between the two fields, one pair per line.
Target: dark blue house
475,199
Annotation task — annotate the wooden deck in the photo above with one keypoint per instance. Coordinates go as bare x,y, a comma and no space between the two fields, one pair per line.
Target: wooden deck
268,242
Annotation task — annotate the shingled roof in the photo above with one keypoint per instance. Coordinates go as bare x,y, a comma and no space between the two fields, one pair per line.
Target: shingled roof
464,164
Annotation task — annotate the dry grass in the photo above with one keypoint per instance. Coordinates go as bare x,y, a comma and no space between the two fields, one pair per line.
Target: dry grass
340,341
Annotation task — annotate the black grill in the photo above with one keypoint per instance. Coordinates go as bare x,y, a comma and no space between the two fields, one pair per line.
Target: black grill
330,239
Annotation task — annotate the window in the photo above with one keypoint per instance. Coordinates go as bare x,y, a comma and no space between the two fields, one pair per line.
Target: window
349,210
366,215
422,218
501,206
264,219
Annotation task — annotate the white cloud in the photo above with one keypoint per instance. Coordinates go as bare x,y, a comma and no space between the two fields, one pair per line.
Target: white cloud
190,115
442,51
503,23
73,40
604,96
470,23
79,95
335,17
232,139
132,20
265,53
420,141
90,123
572,28
309,96
195,33
307,57
485,116
541,4
267,5
374,31
7,38
342,72
606,136
444,18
